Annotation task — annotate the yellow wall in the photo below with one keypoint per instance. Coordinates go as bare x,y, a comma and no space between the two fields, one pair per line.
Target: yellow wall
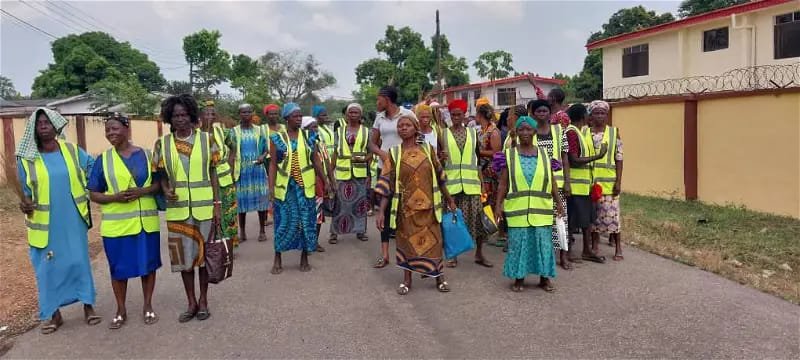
652,137
749,152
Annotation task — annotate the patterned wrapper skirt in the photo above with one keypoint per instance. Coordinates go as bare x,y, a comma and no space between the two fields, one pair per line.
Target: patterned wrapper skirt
350,215
607,221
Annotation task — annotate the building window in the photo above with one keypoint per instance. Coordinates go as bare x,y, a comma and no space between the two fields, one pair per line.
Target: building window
506,97
464,96
715,39
787,35
477,94
635,61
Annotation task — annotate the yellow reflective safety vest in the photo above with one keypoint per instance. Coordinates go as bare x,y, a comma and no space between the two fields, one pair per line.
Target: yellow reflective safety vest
326,134
580,176
258,131
192,185
605,169
556,133
528,204
126,218
396,152
267,132
461,167
303,156
345,167
38,180
224,171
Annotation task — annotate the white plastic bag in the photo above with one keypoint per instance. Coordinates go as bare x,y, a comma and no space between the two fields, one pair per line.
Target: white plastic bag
561,226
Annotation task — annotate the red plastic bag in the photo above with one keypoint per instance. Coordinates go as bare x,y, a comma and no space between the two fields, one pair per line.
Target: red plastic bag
596,193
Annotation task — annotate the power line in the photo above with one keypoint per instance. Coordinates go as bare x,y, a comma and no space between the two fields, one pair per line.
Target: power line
46,14
28,24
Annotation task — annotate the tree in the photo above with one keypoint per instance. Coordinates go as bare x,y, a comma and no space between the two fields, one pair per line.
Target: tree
7,90
209,65
588,83
695,7
494,65
177,87
82,60
292,76
125,90
454,69
568,87
244,73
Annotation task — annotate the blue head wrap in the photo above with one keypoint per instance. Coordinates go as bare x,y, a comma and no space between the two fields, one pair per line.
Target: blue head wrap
288,109
526,120
317,109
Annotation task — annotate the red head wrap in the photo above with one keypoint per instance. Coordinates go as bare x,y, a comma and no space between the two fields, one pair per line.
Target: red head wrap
271,107
457,104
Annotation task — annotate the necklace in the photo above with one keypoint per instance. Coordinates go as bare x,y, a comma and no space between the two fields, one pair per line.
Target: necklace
183,139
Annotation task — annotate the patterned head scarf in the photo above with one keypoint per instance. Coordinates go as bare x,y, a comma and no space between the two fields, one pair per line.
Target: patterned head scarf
27,148
413,119
271,107
599,104
288,109
457,104
526,120
317,109
119,117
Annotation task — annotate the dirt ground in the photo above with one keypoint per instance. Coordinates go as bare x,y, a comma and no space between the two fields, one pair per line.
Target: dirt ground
18,305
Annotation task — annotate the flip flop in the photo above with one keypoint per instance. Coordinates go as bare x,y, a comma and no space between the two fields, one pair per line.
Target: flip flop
618,258
547,287
594,258
203,314
403,289
117,322
187,316
516,288
51,327
93,320
443,287
362,237
150,318
320,248
333,239
451,263
262,237
381,263
484,263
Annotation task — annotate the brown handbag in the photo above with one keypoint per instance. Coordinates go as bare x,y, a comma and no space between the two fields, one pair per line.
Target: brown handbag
218,255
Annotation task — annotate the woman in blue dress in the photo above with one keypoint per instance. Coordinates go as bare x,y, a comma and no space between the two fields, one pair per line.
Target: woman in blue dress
295,203
134,254
53,177
530,225
249,144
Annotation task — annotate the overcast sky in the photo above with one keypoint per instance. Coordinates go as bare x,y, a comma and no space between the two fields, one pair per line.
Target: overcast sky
543,36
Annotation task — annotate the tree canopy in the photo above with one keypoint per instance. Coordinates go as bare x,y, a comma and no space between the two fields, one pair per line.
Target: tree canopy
83,60
7,90
494,64
209,65
696,7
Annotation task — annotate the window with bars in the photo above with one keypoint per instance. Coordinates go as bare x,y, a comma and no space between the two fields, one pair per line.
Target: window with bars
635,61
715,39
787,35
506,96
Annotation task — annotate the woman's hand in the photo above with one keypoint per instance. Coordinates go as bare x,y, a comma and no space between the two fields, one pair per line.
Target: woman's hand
217,212
567,188
617,188
170,195
26,206
329,192
379,220
260,159
603,150
451,204
498,213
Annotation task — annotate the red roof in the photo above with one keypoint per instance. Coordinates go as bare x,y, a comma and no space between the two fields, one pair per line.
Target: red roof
711,15
513,79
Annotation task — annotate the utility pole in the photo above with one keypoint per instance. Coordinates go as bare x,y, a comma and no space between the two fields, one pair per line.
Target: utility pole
439,56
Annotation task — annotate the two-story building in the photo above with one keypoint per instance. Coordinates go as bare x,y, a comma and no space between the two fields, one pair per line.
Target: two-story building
502,93
752,34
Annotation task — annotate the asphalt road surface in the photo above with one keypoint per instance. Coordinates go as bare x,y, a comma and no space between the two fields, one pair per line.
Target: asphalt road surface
643,307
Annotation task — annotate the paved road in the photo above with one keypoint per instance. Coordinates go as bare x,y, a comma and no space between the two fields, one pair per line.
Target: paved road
646,306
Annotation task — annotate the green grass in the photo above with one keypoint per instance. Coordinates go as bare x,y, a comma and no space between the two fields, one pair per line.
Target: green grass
712,237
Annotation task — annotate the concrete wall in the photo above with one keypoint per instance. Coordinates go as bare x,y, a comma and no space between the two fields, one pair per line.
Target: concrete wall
749,152
652,135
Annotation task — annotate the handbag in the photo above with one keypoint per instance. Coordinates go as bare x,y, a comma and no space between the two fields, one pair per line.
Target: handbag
218,255
561,227
457,239
487,220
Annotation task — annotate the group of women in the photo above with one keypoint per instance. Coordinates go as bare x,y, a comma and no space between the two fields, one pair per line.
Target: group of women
207,177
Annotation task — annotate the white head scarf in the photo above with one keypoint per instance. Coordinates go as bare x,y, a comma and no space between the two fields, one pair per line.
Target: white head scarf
307,122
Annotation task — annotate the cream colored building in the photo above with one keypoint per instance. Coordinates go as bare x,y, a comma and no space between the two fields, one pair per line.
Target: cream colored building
765,32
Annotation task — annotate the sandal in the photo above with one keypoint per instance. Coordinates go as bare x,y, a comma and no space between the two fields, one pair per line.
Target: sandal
262,237
594,258
547,287
362,237
403,289
443,286
203,314
517,288
117,322
187,316
618,258
150,318
320,248
333,239
451,263
484,263
381,263
93,320
51,326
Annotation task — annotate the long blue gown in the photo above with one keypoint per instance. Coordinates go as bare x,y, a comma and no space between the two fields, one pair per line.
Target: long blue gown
63,270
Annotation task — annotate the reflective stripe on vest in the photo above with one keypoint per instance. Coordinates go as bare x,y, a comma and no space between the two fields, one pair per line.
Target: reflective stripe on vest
396,153
38,180
556,135
193,187
224,170
528,205
605,169
461,167
285,167
580,176
345,168
327,137
126,218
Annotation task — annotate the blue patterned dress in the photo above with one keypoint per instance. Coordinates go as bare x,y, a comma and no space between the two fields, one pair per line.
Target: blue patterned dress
530,249
251,188
295,216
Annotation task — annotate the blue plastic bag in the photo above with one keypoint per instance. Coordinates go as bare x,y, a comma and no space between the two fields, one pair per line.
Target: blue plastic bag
457,239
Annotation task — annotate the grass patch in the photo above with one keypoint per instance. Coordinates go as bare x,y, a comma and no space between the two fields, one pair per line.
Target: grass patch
749,247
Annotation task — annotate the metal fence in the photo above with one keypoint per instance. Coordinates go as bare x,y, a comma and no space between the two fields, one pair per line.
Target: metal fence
744,79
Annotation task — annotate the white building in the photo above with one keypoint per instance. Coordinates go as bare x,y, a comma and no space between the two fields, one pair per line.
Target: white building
502,93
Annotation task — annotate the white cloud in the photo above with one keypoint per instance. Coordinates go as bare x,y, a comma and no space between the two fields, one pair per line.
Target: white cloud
333,23
574,35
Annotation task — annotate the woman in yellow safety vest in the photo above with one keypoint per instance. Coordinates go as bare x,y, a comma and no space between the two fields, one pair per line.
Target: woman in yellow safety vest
415,182
186,161
53,178
608,175
526,194
351,160
227,189
123,184
553,140
293,172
